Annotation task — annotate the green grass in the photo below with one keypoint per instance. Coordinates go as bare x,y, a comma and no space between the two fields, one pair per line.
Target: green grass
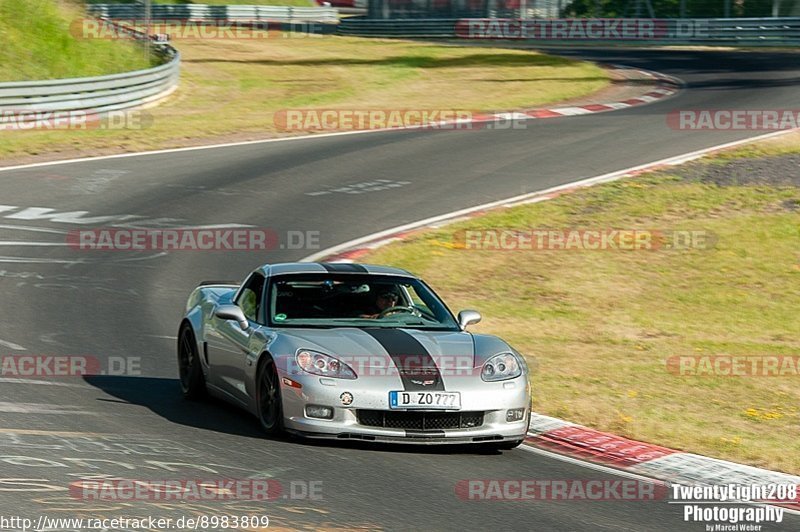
37,44
599,325
303,3
230,89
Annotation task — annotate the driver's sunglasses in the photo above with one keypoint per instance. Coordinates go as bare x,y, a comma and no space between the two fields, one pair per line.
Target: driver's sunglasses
389,296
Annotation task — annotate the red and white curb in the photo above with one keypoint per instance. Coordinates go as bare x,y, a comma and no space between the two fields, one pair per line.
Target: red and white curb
647,459
664,86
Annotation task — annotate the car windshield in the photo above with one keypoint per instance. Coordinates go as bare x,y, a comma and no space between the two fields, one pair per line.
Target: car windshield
348,300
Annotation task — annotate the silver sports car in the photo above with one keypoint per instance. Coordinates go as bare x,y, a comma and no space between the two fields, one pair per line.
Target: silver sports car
352,351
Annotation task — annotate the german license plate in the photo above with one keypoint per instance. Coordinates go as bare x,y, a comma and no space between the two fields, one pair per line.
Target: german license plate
432,400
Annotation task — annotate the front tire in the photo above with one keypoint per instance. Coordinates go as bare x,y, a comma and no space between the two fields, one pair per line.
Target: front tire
268,398
193,383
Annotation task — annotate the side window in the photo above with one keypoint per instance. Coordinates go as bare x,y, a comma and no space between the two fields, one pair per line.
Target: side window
250,298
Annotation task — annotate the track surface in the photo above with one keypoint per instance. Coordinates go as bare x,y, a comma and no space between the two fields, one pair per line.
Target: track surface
105,306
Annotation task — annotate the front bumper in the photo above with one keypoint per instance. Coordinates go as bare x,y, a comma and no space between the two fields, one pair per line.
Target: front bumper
492,399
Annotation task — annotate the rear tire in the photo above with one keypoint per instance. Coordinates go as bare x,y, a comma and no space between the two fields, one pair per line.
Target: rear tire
193,382
269,403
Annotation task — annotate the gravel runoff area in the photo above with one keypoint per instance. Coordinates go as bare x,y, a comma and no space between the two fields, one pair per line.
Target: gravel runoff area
776,170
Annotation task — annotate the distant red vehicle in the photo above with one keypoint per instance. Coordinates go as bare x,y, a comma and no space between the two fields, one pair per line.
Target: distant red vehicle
343,3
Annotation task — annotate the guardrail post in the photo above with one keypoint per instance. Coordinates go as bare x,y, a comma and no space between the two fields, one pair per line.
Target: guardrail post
147,22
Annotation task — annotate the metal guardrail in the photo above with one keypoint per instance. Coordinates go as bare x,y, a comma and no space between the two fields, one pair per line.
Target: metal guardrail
429,28
95,95
713,32
205,13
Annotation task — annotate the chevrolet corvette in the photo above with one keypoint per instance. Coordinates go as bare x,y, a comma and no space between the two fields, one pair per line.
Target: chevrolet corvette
352,351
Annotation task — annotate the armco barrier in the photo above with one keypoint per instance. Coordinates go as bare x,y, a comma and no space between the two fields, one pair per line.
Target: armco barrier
714,32
199,12
97,95
427,28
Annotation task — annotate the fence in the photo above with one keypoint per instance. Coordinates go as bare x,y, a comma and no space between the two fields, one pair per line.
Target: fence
433,9
722,32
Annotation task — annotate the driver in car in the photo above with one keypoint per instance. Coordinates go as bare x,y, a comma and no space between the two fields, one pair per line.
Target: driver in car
386,299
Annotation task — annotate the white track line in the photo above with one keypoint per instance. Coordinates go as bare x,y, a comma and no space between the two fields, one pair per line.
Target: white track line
589,465
161,336
197,148
284,139
42,408
611,176
35,229
14,380
32,244
12,345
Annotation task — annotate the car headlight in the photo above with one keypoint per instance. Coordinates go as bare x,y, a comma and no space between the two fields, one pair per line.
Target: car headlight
501,367
323,365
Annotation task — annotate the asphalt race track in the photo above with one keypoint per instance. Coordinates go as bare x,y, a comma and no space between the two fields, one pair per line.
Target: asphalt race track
117,306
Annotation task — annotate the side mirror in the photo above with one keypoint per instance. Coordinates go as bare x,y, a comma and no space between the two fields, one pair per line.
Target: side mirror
468,317
232,312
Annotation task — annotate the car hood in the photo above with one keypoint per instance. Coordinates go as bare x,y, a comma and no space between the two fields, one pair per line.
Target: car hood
377,344
407,352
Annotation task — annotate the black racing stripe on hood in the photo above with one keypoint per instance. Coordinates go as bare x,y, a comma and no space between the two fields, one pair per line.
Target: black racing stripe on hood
346,267
415,364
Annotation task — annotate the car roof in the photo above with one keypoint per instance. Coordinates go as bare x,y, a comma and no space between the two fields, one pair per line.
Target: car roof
331,267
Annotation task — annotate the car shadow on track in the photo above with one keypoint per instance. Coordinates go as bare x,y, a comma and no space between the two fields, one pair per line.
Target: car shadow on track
397,447
163,397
